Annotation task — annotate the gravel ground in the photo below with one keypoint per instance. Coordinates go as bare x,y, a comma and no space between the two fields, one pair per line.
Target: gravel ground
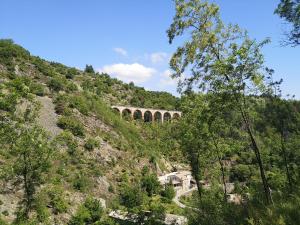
47,116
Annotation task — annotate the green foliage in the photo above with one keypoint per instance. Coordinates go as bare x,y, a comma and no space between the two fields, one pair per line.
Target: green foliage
150,184
168,192
57,200
81,103
67,139
91,144
131,197
225,63
71,73
89,213
240,173
40,205
37,89
10,53
32,153
81,182
56,84
289,10
89,69
72,124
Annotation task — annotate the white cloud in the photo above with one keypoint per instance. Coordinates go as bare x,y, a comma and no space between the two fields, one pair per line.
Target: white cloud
121,51
158,57
167,80
129,72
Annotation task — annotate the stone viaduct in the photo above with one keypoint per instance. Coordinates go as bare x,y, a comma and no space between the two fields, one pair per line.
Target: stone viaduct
147,114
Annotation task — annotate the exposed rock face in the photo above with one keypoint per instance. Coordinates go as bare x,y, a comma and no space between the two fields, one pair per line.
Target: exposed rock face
175,219
9,200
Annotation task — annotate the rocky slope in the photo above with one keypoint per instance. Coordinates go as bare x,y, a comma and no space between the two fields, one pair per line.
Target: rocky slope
96,152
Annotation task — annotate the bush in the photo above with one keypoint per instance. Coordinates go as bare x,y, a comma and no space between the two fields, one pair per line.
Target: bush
41,202
72,87
56,84
150,184
81,182
66,138
168,193
240,173
37,89
91,144
131,197
57,200
88,213
71,124
80,103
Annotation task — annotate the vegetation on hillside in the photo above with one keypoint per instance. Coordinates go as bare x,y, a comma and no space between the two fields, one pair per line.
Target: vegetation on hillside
238,116
94,143
236,130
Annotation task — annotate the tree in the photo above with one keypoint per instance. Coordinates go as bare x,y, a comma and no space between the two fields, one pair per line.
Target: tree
222,60
194,136
131,197
89,69
169,192
289,10
283,116
150,184
32,159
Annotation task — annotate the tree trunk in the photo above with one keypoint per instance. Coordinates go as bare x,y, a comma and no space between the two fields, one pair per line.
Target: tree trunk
222,170
258,158
196,172
255,147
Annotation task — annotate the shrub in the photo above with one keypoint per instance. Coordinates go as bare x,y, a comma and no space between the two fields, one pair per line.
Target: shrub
56,84
240,173
71,124
61,103
81,182
80,103
91,144
72,87
131,197
57,200
89,213
150,184
41,202
37,89
70,76
168,193
66,138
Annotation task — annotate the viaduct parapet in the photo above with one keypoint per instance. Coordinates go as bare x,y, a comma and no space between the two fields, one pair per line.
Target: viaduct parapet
146,114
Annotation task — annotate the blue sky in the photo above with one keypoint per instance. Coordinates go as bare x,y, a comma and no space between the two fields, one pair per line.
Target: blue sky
127,38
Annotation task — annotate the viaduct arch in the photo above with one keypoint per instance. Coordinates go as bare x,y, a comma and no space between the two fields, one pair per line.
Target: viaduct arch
146,114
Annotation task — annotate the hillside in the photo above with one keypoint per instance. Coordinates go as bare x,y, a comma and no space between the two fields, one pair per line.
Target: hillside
67,157
88,150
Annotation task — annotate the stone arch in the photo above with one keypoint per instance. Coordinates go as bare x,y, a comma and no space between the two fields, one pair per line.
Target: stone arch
126,114
167,116
137,115
176,116
148,116
116,110
157,116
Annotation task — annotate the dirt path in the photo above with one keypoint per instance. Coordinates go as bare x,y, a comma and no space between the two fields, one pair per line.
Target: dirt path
179,194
